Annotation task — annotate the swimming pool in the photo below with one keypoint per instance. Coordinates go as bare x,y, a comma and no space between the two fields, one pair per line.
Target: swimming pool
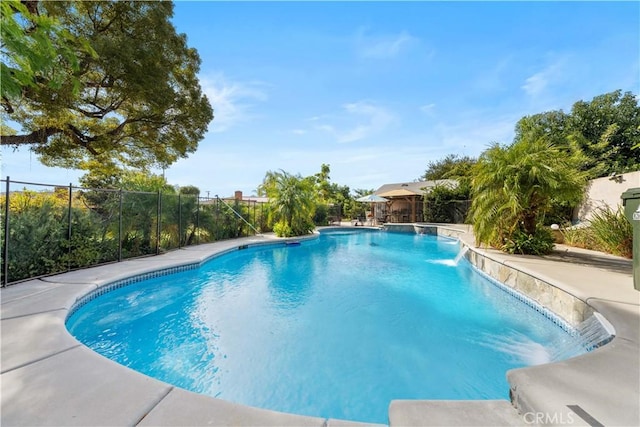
335,327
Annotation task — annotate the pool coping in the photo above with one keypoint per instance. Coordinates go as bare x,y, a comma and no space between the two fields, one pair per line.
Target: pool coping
49,378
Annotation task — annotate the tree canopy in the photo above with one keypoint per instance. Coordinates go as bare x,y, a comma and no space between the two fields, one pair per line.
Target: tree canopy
128,95
35,51
606,130
451,166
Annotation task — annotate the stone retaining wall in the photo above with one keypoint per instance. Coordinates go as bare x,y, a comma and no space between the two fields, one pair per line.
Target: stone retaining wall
565,305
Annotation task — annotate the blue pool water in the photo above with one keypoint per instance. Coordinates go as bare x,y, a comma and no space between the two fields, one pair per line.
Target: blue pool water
335,327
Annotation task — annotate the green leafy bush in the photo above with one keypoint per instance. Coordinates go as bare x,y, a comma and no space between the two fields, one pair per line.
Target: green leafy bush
520,242
35,236
321,215
282,229
89,244
447,205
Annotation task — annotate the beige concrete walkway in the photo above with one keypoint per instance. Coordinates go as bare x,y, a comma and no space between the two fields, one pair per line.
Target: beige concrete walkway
49,378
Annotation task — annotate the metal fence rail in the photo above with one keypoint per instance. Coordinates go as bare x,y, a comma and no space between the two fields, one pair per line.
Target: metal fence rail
51,229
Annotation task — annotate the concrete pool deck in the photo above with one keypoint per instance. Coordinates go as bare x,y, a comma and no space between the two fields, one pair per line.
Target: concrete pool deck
49,378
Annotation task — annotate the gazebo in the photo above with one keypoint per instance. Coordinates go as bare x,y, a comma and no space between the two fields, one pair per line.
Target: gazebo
406,199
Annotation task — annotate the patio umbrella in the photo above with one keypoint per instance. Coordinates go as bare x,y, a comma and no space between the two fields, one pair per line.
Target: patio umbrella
372,198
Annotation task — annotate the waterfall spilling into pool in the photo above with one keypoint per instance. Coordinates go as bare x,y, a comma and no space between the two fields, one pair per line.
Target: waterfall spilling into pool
461,254
335,327
592,333
452,262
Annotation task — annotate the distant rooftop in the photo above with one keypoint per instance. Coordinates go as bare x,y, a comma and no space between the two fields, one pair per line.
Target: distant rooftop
239,196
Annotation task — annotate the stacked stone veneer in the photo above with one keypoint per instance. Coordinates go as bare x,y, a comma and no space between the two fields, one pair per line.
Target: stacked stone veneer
423,229
560,302
401,228
570,308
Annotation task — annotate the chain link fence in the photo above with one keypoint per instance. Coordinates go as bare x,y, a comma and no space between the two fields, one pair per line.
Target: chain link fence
49,229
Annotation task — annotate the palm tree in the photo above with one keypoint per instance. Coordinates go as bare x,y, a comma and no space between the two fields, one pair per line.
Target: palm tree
291,200
514,186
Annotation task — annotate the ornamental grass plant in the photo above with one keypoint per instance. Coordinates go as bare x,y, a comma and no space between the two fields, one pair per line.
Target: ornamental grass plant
608,231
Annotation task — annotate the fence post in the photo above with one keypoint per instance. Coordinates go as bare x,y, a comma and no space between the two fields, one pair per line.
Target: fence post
69,226
254,211
5,249
217,225
179,220
197,230
120,226
159,222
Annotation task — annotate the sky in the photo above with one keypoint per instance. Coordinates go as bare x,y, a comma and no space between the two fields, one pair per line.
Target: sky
377,90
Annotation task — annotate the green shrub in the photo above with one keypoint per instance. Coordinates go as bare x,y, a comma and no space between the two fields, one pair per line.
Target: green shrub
282,229
321,215
520,242
89,244
447,205
608,231
302,226
612,232
35,236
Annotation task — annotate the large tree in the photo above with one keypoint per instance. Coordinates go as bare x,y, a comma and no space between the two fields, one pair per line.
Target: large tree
451,166
606,130
131,99
35,51
550,125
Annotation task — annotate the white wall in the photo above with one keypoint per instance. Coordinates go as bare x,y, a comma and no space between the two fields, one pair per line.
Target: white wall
606,192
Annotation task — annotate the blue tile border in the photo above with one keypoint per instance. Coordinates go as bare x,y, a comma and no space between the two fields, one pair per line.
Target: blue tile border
104,289
553,317
111,286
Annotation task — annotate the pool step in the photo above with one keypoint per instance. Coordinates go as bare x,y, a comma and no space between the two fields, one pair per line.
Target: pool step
423,413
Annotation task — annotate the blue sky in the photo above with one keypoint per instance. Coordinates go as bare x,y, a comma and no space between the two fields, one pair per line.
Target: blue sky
378,89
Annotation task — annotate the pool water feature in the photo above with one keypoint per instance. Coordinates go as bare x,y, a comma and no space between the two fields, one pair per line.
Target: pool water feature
335,327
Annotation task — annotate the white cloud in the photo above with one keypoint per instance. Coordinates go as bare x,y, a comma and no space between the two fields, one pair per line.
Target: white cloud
362,120
537,84
428,108
232,102
384,46
326,128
